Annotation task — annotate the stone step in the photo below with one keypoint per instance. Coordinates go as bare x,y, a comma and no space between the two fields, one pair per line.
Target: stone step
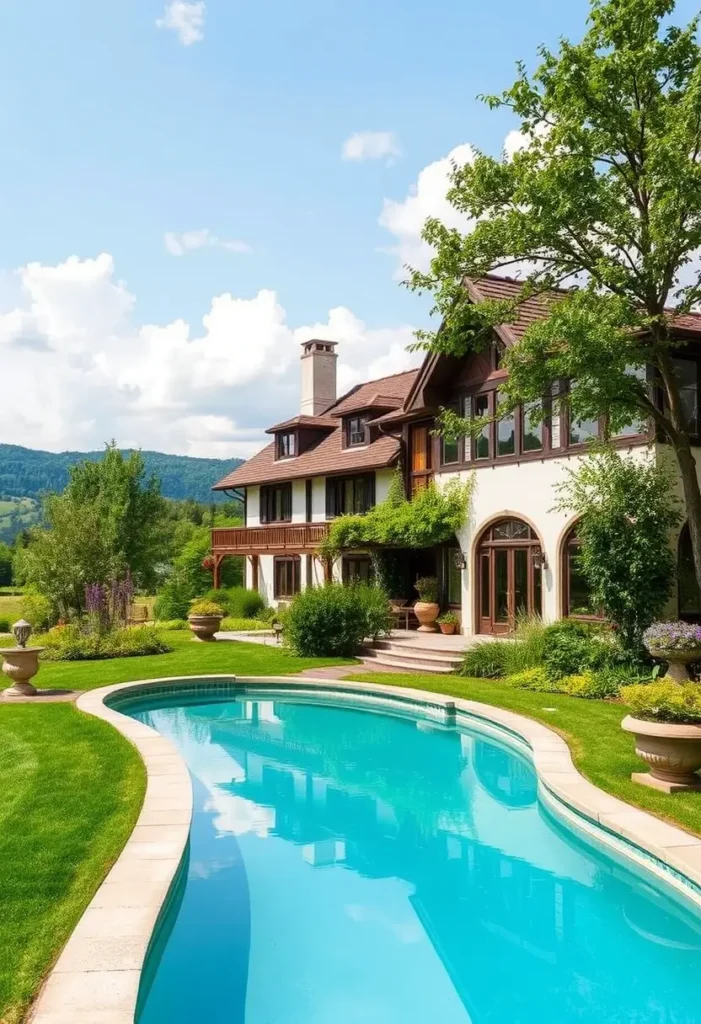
415,653
407,667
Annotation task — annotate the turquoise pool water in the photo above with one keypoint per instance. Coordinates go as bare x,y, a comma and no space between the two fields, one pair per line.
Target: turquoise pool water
350,866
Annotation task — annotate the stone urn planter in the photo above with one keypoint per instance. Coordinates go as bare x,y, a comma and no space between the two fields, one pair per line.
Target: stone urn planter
677,643
205,626
672,751
427,612
20,665
677,661
427,608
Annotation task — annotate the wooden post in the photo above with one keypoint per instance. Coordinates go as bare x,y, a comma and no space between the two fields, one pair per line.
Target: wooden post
255,565
328,570
216,576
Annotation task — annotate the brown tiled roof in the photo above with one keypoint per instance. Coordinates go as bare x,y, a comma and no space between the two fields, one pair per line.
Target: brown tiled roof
321,422
393,389
329,456
536,307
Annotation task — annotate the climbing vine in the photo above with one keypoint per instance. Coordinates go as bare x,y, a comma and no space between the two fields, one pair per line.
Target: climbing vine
431,517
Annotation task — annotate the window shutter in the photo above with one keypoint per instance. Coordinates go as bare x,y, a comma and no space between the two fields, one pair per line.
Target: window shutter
370,491
330,499
264,495
296,568
468,439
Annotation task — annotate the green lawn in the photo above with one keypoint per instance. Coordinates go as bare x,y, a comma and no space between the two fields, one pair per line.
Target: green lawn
70,792
600,749
10,605
189,658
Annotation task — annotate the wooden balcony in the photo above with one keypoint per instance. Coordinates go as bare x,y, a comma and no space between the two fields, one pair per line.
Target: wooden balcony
274,539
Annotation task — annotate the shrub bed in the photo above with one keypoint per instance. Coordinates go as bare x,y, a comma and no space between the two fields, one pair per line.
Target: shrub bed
71,643
664,702
333,621
244,625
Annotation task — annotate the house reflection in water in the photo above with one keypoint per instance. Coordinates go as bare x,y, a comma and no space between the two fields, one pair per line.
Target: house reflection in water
530,925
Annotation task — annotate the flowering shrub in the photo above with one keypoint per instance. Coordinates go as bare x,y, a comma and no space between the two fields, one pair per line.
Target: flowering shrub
206,608
664,702
71,643
673,636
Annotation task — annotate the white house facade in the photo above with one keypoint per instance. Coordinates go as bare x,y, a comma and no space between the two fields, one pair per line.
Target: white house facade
515,553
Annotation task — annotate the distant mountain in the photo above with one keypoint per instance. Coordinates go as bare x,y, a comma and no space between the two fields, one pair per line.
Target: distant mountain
25,473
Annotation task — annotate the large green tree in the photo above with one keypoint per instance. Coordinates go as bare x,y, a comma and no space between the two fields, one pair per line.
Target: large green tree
109,522
604,194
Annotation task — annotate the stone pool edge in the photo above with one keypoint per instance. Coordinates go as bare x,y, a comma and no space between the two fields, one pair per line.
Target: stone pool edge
96,978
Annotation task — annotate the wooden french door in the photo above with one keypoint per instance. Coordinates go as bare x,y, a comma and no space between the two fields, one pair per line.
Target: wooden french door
509,576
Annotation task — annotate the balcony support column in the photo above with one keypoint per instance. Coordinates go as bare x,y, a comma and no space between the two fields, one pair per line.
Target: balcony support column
216,575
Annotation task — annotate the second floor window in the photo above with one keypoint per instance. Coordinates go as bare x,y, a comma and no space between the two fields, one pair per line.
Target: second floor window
286,446
687,373
276,503
356,428
349,495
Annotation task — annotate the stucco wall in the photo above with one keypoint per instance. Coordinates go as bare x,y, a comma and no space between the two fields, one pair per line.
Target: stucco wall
523,491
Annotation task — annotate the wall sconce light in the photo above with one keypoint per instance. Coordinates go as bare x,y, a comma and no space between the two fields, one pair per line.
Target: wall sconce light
539,559
459,560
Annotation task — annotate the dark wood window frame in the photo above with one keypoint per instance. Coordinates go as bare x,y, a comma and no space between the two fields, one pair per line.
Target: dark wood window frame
570,542
276,503
355,431
521,454
337,489
309,499
420,478
351,571
287,445
287,573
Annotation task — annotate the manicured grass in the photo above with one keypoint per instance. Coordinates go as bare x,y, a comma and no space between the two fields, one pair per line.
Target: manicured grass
10,606
70,792
592,728
189,658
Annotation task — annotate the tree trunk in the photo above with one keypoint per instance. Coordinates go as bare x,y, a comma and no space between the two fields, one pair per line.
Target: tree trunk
692,498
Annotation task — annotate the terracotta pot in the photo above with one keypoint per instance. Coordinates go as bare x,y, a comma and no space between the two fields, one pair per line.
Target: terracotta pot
677,661
447,628
205,626
427,612
673,753
20,664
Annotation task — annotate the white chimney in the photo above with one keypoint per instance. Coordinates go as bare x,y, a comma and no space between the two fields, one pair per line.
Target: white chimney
318,376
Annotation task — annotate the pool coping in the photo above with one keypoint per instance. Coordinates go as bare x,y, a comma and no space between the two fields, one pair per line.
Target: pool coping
96,978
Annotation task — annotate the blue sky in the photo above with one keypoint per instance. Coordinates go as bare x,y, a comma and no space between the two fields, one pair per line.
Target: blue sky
119,131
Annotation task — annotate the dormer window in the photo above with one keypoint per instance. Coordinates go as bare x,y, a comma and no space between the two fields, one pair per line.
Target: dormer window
356,431
286,445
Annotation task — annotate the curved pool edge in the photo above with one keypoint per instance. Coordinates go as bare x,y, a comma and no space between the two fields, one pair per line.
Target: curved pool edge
96,978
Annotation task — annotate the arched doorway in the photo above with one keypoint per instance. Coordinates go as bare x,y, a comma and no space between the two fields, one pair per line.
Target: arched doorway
689,596
509,575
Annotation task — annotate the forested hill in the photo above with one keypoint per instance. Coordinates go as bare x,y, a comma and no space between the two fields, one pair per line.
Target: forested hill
25,473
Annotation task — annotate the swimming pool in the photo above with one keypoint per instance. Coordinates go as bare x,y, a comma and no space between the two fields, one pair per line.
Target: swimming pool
371,864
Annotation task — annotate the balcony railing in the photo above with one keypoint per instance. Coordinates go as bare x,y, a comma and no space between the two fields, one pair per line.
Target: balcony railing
274,538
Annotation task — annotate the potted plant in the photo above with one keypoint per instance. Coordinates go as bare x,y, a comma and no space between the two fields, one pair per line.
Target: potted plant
427,608
666,723
205,619
677,643
448,623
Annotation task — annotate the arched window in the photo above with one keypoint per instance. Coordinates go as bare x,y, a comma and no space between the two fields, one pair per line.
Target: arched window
576,591
689,596
509,575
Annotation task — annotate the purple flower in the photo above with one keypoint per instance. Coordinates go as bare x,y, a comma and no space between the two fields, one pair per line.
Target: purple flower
673,636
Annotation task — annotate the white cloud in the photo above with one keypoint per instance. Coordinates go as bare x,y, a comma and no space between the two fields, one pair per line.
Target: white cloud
178,244
372,146
185,19
427,198
83,371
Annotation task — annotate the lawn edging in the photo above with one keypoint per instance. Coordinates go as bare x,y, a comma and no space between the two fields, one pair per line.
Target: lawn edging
99,970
